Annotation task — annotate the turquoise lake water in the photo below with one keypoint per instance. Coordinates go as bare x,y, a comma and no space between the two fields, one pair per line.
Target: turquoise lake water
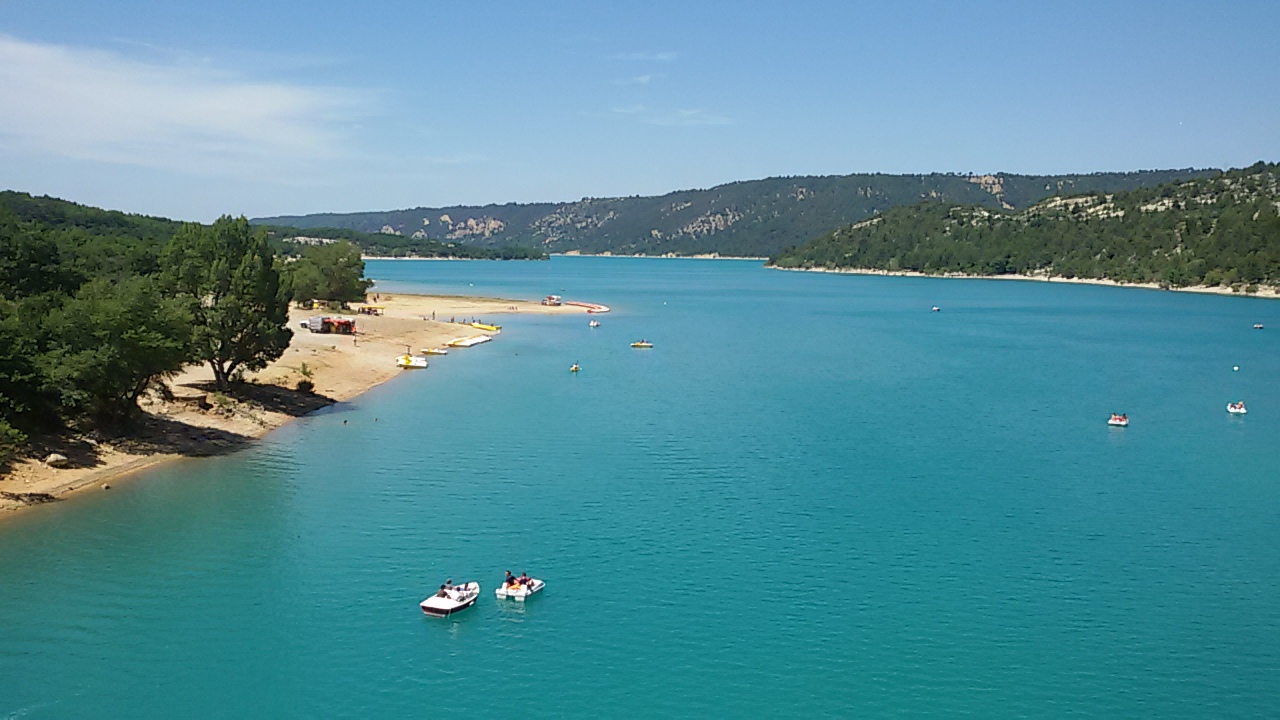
813,497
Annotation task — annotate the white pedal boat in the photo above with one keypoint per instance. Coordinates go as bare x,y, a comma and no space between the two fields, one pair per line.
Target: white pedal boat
520,592
411,361
458,597
1237,408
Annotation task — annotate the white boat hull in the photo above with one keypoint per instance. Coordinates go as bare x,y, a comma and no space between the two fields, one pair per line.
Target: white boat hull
460,597
521,593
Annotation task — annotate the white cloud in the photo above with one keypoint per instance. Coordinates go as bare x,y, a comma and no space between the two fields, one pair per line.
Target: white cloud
671,118
667,56
459,159
94,105
686,118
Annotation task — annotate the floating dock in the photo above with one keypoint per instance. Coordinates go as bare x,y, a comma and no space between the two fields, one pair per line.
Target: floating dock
465,342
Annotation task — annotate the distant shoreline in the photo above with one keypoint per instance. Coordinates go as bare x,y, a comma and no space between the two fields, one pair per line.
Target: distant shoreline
668,256
665,256
1265,292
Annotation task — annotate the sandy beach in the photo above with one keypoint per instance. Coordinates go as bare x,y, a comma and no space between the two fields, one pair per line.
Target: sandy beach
1263,292
194,420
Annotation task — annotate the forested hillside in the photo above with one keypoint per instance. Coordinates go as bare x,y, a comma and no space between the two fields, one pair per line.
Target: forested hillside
292,240
1223,230
96,306
754,218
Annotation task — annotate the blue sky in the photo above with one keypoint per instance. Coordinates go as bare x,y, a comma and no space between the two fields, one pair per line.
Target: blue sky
263,108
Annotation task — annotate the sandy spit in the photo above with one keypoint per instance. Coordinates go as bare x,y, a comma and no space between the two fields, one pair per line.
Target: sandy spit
196,421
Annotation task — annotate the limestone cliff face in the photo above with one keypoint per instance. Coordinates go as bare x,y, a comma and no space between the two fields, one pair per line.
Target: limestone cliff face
471,227
993,185
568,219
710,223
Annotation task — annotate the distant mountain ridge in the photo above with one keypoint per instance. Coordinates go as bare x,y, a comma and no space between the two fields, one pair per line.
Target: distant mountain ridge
1216,231
749,218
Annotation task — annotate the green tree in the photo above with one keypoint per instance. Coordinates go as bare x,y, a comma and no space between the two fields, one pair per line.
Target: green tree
30,262
240,309
20,380
328,272
110,342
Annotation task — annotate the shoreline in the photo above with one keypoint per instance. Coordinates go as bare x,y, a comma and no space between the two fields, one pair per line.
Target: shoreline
1263,292
575,253
664,256
198,421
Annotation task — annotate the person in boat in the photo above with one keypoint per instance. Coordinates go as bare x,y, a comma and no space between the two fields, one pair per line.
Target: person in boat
524,579
510,580
444,592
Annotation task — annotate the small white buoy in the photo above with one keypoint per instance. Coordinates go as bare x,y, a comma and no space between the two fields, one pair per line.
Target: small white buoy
1236,368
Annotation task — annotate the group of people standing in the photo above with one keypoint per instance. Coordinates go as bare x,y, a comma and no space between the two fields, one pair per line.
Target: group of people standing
511,581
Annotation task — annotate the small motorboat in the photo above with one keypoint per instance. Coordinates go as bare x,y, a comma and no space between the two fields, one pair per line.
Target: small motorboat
411,361
434,351
594,323
453,599
642,344
1257,326
574,368
486,326
1237,408
516,591
1118,420
935,308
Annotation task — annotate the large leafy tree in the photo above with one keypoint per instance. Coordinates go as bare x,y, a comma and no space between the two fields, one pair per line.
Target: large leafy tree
30,262
110,341
19,379
240,309
329,272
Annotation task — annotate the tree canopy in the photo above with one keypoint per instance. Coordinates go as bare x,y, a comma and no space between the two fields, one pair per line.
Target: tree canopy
95,306
227,274
110,341
332,271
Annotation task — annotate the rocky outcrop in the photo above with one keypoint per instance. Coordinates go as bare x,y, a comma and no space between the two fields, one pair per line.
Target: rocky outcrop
711,223
483,227
993,185
571,218
57,460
